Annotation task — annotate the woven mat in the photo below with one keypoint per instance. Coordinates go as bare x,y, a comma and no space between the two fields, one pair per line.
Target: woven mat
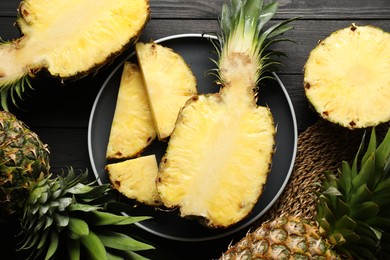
322,147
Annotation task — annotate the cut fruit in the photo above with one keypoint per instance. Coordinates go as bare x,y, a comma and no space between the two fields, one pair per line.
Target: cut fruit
219,154
346,77
132,128
136,179
169,84
68,38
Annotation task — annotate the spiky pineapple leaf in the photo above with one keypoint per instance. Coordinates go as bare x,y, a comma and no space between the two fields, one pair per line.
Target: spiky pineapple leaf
121,241
94,246
99,218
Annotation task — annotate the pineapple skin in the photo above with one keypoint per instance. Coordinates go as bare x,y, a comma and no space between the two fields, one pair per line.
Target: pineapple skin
169,84
132,128
346,77
286,237
136,179
24,160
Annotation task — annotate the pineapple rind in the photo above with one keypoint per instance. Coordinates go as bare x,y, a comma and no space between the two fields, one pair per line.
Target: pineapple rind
136,179
24,159
216,169
132,128
169,84
346,77
282,238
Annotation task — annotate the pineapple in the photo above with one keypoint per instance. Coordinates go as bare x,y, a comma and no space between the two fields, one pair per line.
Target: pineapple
219,154
24,159
62,217
352,216
346,77
132,128
67,38
136,179
70,214
169,84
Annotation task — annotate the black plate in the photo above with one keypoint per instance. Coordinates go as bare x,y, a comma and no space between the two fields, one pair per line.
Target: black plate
196,50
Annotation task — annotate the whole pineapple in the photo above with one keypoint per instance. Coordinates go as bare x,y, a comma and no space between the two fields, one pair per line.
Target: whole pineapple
352,216
24,160
67,213
219,154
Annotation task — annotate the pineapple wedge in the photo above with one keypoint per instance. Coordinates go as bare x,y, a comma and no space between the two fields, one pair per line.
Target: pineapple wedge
219,154
132,128
136,179
68,38
169,84
346,77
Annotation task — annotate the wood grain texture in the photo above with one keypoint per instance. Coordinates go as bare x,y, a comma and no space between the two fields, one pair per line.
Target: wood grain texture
206,9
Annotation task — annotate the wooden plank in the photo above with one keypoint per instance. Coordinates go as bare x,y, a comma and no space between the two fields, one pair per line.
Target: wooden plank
205,9
68,147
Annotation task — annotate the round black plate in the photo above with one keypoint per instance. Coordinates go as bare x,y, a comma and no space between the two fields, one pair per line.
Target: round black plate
196,50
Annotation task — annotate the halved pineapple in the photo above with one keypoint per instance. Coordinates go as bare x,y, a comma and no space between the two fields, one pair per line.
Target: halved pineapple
68,38
136,179
169,83
132,128
219,154
347,79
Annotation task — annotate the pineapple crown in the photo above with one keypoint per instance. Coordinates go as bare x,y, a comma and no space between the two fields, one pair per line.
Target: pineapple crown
242,25
354,207
14,91
70,212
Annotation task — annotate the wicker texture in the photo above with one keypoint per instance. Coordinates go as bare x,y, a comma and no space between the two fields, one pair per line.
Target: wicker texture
322,147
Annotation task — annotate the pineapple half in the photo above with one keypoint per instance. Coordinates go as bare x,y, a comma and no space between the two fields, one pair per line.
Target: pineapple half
136,179
169,84
347,79
352,216
219,154
132,128
68,38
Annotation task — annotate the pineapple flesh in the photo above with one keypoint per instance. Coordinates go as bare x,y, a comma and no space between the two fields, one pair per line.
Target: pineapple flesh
136,179
219,154
169,84
346,77
132,128
68,38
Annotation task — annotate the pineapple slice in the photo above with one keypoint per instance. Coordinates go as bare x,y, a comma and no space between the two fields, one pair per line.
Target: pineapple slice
169,83
132,128
346,77
68,38
136,179
219,154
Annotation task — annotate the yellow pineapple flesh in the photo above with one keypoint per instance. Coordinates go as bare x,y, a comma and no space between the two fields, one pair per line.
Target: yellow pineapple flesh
132,128
346,77
68,38
216,168
136,179
219,155
169,84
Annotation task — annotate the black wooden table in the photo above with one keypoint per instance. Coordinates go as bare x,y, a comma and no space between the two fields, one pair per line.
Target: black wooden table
59,112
